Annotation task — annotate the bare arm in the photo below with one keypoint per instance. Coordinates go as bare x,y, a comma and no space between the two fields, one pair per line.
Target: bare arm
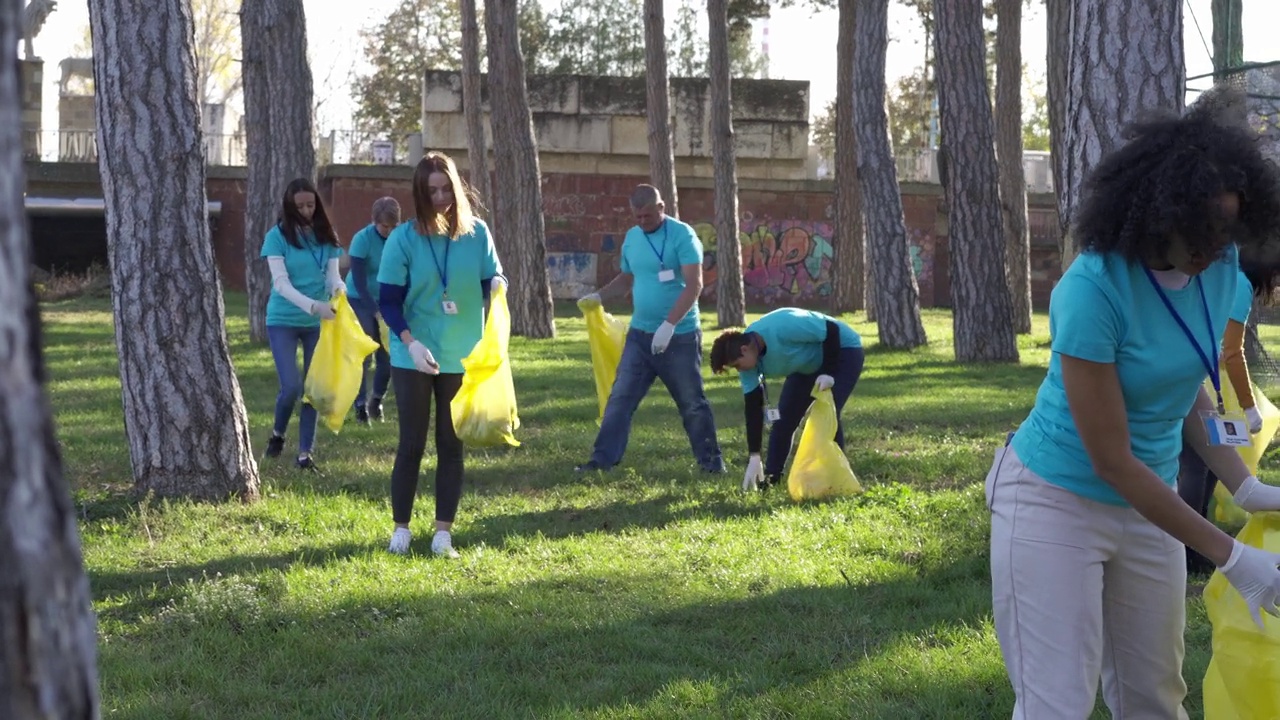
620,285
1097,407
692,289
1224,461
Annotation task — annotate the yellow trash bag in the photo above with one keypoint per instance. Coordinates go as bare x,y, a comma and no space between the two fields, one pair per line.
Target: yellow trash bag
1243,679
484,410
384,333
1226,510
820,468
333,380
605,335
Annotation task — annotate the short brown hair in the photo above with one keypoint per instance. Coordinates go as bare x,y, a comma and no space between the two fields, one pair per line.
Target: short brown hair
726,349
386,208
455,222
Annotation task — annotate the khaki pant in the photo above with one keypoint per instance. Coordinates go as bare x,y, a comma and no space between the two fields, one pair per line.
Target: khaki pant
1083,590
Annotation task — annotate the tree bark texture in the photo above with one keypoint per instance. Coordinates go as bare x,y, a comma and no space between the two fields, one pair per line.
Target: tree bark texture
1057,51
1117,62
848,272
184,416
979,285
1013,181
517,199
895,297
48,635
472,108
1228,37
731,308
277,102
662,160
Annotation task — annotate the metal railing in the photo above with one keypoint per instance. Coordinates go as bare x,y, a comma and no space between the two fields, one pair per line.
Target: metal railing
922,166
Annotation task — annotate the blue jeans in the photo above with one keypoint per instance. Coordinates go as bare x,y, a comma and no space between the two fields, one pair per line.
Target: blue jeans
284,341
680,369
797,396
382,372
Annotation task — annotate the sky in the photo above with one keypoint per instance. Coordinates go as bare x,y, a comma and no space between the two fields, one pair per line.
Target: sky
802,46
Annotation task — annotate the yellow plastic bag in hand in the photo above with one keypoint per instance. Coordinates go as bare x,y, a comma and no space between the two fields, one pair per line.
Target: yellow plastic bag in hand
605,335
1243,679
384,333
484,410
1226,510
820,468
333,380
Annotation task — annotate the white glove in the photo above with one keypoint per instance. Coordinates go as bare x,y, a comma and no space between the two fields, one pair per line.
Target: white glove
1254,495
322,310
496,282
1252,571
1255,420
662,338
824,382
754,475
589,302
336,289
423,359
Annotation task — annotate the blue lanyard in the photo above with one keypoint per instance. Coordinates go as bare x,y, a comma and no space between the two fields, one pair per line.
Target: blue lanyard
1214,372
660,253
442,269
318,258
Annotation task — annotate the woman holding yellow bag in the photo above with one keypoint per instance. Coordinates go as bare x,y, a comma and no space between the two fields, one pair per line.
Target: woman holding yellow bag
436,274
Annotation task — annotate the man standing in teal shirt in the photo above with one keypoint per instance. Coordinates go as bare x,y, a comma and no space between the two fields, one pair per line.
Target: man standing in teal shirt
662,268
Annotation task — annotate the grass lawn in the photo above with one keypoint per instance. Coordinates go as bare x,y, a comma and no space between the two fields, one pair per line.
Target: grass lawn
653,591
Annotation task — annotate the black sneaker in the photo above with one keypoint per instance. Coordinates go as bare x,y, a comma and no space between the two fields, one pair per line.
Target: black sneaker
375,409
588,466
362,415
306,463
768,482
275,446
717,469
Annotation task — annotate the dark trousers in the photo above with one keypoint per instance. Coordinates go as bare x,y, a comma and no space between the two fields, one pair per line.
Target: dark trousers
794,401
414,395
1195,486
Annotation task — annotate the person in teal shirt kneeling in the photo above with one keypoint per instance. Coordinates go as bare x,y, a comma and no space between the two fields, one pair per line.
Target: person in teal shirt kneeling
437,273
362,291
807,348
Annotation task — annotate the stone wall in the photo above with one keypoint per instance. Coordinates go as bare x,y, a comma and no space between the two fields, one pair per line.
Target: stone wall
32,107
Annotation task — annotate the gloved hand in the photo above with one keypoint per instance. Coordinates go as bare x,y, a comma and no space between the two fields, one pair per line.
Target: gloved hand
337,289
496,282
1255,420
322,310
423,360
824,382
754,475
589,302
662,338
1254,495
1252,571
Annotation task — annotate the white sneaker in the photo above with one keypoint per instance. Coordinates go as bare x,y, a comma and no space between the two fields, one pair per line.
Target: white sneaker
400,541
442,545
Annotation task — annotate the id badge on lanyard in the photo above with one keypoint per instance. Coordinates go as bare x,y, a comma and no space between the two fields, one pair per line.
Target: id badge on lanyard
771,414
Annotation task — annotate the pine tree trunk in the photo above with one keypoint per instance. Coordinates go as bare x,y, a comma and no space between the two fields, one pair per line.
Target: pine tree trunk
517,199
896,296
979,285
48,638
731,308
1109,64
1228,37
662,161
848,270
472,104
278,142
183,413
1013,181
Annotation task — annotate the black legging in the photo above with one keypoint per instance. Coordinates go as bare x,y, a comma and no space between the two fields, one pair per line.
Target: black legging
414,391
1195,486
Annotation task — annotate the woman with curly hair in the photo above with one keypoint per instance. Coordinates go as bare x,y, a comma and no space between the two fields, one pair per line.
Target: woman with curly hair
1088,570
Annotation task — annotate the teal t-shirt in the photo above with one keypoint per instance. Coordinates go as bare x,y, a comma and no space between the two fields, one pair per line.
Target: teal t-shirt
1105,310
793,344
646,255
306,266
424,264
1243,304
367,244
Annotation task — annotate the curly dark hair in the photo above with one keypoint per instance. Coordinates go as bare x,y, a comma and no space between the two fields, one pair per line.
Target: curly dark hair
727,348
1164,182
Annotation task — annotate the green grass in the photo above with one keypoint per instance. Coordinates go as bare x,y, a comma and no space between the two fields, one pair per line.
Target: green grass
653,591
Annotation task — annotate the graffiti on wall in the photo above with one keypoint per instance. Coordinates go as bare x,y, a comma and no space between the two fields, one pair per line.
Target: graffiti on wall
572,274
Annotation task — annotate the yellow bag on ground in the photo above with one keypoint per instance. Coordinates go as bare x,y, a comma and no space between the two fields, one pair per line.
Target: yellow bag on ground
1243,679
605,335
1226,510
820,468
333,380
484,410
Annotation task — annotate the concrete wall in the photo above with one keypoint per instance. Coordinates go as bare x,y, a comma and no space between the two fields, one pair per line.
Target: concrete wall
32,74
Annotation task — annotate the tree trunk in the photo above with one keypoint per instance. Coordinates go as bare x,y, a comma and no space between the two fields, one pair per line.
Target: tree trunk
731,308
183,413
1013,180
1057,51
896,297
1228,37
48,638
517,198
278,143
979,284
472,104
1118,61
662,161
848,272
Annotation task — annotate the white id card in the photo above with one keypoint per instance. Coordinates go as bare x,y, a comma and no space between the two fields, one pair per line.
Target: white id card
1227,430
450,307
666,275
771,415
